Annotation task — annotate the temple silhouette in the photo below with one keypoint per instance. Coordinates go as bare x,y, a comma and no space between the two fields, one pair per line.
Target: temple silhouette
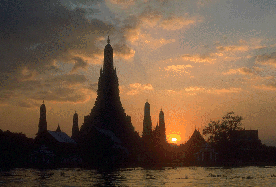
107,137
107,132
108,112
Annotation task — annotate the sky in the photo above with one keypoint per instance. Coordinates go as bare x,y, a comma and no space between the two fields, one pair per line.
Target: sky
195,59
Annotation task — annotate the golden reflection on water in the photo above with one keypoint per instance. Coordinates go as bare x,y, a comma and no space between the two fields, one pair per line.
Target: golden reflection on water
168,176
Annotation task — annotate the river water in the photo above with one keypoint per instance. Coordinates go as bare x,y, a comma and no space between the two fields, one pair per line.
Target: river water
168,176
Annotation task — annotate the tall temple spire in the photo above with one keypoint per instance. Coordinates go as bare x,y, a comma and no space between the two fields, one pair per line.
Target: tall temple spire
147,124
42,126
75,128
108,58
162,127
108,112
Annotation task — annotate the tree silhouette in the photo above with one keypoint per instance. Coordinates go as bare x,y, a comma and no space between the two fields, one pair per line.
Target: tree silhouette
221,134
222,130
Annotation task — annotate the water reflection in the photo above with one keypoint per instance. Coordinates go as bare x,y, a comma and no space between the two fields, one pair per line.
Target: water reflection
182,176
110,178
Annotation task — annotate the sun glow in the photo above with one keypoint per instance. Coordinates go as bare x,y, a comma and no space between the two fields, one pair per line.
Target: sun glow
174,139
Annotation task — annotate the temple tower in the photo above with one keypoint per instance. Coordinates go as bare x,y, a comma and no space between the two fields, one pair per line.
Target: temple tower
162,127
108,112
147,124
75,128
58,129
42,126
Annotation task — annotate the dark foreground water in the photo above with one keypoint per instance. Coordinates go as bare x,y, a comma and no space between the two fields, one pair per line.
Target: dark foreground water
180,176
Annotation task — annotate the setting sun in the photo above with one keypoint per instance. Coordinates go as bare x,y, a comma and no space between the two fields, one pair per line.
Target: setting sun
174,139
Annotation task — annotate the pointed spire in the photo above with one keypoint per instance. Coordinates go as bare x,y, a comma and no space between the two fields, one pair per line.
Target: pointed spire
108,40
58,128
43,101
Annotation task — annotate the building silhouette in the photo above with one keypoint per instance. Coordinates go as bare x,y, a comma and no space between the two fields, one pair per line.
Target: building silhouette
75,128
162,127
42,126
197,150
108,112
147,124
58,129
44,135
159,133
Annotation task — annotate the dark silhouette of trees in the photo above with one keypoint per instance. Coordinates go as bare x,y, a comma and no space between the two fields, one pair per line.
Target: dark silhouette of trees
222,130
14,149
221,135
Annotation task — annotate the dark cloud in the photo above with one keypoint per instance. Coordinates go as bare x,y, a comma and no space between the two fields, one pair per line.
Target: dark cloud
23,104
5,95
67,79
94,87
266,58
79,63
61,95
35,34
15,84
122,50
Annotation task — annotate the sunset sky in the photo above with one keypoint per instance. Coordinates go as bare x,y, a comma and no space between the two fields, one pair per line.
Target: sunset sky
195,59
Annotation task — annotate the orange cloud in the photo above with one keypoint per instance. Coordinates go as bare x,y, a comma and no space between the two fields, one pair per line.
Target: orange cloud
233,48
192,89
123,3
137,88
266,87
224,90
178,68
267,59
244,71
200,58
175,23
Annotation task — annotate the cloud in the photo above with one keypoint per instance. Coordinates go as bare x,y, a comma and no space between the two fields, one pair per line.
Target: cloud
134,25
94,87
233,48
123,3
176,23
36,37
136,88
79,63
244,71
208,58
224,90
211,90
23,104
193,89
268,83
67,79
123,51
63,94
178,68
147,41
266,59
266,87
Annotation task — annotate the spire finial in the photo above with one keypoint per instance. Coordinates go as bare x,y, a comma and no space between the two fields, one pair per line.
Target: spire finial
43,101
108,40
